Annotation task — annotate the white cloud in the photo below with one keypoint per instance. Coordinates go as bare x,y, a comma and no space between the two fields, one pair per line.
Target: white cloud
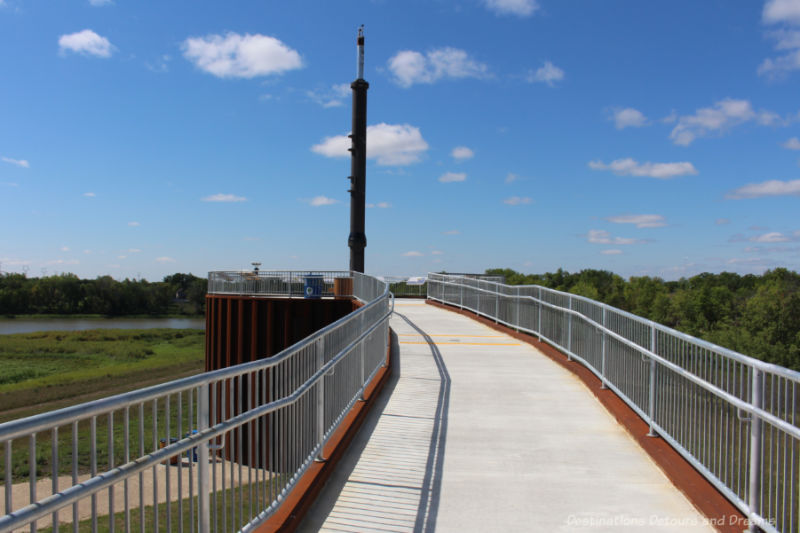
240,56
134,251
722,221
766,188
410,67
333,97
164,259
412,253
451,232
792,144
390,144
134,224
511,177
18,162
85,42
437,252
220,197
547,73
779,66
520,8
599,236
318,201
517,200
89,195
452,177
628,118
723,116
773,236
776,11
670,119
612,251
100,3
630,167
641,221
122,257
461,153
380,205
160,64
63,262
65,248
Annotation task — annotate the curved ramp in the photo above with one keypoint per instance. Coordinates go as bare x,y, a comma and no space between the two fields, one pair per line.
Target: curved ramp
480,432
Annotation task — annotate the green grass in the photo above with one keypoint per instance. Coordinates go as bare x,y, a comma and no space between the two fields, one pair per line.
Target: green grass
46,370
235,504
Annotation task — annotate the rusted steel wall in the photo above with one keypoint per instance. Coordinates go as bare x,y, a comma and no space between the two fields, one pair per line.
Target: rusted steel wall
240,329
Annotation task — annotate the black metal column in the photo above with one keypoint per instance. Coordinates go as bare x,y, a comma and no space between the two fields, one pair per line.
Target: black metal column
357,240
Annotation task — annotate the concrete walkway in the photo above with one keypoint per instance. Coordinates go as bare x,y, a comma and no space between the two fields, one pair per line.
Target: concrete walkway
480,432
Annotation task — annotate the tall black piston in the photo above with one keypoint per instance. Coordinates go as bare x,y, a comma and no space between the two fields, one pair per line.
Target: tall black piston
357,240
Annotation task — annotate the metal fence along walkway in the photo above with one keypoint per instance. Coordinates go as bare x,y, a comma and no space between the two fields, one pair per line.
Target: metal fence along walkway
247,432
480,432
732,417
476,431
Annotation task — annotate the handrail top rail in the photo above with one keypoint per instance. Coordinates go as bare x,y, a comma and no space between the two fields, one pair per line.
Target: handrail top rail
727,352
35,423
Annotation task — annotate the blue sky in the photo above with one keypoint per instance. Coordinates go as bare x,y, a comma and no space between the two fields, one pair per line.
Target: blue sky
647,138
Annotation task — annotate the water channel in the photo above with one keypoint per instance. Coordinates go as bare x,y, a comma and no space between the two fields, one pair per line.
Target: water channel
28,325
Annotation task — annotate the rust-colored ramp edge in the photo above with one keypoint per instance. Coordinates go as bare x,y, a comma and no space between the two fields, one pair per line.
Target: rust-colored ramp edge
288,517
720,512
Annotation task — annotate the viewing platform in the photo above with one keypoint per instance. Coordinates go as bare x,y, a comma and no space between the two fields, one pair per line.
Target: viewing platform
479,431
328,405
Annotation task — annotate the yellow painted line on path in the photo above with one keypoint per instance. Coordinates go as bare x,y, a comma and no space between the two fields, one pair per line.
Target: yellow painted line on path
452,336
468,343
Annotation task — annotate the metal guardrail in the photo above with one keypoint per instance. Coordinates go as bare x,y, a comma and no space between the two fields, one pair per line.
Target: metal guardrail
218,451
733,417
283,283
407,286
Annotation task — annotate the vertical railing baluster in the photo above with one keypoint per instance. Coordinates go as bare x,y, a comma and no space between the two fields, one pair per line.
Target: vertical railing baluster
8,481
361,350
569,330
203,507
652,393
756,400
603,382
320,398
32,474
539,327
54,472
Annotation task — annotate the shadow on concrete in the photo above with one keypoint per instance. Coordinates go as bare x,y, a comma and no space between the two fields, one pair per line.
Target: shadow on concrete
399,512
432,485
327,498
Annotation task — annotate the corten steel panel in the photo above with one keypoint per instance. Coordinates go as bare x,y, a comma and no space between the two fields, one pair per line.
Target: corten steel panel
240,329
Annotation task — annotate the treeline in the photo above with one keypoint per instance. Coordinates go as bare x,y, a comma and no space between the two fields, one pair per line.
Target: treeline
755,315
66,294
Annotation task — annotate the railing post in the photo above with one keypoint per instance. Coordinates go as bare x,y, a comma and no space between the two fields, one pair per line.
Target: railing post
203,500
320,349
478,305
652,399
539,329
569,330
361,352
754,500
461,300
517,319
496,304
603,354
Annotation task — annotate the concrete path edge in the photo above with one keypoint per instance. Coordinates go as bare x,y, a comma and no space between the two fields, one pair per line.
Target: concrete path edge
291,513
